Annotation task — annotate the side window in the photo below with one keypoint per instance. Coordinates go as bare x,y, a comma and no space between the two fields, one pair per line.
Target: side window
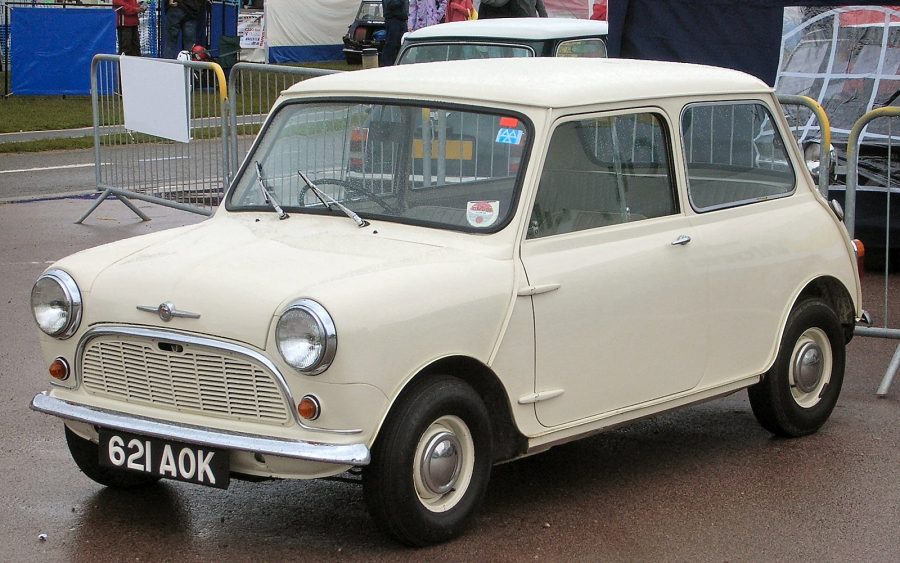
735,155
591,48
604,171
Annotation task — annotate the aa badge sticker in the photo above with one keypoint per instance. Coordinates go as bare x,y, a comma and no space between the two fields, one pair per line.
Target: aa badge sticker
482,214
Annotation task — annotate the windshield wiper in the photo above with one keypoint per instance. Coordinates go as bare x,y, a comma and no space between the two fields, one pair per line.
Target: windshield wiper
267,195
360,222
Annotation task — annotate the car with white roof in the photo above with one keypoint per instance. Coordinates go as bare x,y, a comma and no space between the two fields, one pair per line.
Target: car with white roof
505,37
376,297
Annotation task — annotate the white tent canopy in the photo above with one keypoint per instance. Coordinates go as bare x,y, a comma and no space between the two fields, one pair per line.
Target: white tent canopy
307,30
310,30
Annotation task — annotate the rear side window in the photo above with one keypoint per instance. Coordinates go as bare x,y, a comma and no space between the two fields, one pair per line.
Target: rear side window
590,48
735,155
604,171
461,51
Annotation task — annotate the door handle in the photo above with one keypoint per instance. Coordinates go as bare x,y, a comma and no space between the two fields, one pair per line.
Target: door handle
681,240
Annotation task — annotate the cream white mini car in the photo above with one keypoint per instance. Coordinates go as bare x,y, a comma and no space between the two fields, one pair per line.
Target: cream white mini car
421,271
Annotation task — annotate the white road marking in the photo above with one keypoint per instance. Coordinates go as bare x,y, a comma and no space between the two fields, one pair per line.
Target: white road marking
165,158
60,167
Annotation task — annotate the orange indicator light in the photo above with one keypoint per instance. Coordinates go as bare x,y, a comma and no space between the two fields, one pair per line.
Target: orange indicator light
59,369
309,408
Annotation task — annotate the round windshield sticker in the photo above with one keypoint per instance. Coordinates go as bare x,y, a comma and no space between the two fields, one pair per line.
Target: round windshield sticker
482,214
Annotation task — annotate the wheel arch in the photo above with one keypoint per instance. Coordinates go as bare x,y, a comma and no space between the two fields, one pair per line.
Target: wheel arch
835,293
507,441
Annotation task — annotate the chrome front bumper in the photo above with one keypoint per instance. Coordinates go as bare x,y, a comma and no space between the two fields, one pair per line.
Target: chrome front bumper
349,454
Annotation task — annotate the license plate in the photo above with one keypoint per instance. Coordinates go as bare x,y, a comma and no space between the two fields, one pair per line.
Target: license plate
173,460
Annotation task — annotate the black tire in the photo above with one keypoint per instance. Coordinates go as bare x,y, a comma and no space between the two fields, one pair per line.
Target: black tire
797,395
87,458
408,502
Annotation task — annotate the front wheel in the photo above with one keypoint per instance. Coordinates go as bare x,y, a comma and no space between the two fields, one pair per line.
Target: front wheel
797,395
431,463
87,457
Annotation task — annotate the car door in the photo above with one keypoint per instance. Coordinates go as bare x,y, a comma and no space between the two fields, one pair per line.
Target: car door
618,296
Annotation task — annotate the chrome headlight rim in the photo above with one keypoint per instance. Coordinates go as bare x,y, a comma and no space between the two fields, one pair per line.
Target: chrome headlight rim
326,327
73,298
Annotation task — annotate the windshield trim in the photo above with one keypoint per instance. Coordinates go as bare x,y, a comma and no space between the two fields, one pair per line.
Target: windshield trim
249,159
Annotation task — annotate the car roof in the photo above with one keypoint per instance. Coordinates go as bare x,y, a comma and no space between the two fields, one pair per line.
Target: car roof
522,29
534,81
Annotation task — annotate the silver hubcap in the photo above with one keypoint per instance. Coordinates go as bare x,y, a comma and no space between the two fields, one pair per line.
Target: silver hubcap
810,369
443,463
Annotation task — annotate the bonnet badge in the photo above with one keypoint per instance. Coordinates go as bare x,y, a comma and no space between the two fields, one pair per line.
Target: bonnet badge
167,311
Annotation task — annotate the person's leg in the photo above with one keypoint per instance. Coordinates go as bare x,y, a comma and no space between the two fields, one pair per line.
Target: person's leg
174,17
121,37
133,41
395,30
188,32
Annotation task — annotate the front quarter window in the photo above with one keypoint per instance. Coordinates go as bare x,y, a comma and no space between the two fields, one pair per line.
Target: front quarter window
446,167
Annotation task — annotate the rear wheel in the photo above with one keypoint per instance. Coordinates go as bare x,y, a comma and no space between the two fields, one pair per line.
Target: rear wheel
431,463
797,395
87,457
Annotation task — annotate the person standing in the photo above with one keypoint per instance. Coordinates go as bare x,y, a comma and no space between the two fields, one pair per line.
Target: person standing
127,12
396,14
182,18
599,11
423,13
459,10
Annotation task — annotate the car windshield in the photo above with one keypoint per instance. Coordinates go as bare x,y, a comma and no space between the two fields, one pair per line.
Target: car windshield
430,52
446,167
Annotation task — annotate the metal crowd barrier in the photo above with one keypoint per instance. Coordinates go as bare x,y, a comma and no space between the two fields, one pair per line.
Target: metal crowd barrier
188,176
252,89
850,220
802,108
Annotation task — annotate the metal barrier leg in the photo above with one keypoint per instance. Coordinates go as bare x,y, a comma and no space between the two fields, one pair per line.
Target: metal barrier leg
106,193
889,374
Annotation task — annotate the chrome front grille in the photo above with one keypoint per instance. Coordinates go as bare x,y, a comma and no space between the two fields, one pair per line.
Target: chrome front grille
184,377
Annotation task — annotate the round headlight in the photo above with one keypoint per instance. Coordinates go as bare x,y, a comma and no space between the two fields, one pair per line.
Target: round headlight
56,304
306,337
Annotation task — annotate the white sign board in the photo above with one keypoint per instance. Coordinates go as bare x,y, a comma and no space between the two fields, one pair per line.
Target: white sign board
155,97
251,28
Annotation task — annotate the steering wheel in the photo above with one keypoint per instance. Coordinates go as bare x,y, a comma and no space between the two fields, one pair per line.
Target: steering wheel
350,188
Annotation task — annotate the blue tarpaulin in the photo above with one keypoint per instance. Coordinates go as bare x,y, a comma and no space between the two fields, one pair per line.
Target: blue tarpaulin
52,48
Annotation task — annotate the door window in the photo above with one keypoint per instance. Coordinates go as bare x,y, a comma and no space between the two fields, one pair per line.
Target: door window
604,171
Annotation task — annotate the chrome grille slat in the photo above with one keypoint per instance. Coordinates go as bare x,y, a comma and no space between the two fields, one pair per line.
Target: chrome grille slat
197,379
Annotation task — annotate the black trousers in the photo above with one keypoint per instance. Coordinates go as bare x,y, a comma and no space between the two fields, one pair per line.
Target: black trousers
129,41
395,29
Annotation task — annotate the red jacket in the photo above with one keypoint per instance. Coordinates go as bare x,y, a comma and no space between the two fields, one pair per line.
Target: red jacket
126,12
458,10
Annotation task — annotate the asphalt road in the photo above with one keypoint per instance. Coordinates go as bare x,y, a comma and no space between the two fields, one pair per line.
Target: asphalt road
28,175
702,484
